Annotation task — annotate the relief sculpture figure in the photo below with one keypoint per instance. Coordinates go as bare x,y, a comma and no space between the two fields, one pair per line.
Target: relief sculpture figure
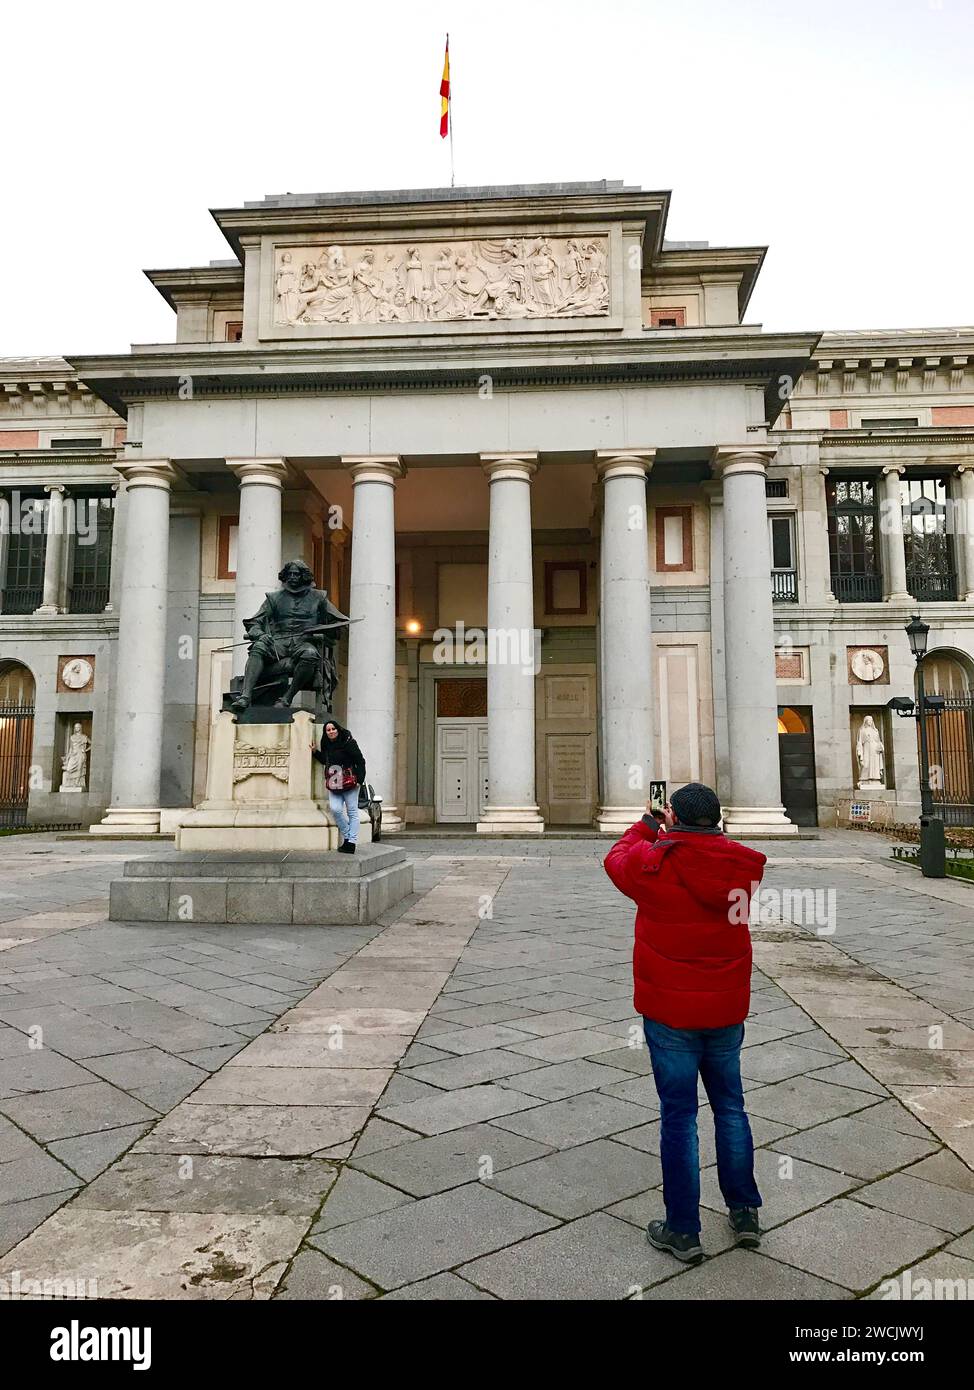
508,278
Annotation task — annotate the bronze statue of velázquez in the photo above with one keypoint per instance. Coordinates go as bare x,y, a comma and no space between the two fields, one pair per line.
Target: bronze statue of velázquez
292,639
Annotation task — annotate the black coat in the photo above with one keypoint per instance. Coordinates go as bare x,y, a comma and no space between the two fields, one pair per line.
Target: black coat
342,752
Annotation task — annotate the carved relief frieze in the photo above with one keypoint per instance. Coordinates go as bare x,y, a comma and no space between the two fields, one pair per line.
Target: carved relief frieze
537,277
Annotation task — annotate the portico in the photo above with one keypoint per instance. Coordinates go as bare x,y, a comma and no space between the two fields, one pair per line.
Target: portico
471,424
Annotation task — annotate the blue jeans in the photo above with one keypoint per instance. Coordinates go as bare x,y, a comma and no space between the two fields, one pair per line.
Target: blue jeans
344,807
678,1056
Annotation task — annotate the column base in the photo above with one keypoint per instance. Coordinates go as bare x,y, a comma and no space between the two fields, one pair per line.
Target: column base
392,821
616,820
901,600
48,610
766,822
511,820
128,820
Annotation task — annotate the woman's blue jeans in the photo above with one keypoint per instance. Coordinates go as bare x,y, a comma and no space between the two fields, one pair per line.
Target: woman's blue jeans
344,807
678,1056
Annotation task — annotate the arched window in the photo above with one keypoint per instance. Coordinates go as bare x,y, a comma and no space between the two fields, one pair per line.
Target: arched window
16,684
791,722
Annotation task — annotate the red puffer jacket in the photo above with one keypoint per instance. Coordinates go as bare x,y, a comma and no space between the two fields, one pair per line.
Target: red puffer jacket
691,961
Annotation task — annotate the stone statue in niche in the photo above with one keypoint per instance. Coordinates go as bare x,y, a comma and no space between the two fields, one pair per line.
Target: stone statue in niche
74,764
871,755
510,278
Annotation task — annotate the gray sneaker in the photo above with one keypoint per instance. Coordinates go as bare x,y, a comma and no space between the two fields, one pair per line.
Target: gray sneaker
744,1223
683,1247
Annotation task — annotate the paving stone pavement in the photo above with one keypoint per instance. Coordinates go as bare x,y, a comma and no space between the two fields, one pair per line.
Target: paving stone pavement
456,1103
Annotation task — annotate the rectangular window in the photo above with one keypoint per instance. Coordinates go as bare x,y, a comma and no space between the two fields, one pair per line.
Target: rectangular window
668,318
91,560
23,589
776,487
930,571
784,577
854,539
565,587
674,539
892,423
234,331
226,562
782,542
92,442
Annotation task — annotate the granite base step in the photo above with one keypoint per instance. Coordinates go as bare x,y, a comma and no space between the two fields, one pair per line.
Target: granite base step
277,888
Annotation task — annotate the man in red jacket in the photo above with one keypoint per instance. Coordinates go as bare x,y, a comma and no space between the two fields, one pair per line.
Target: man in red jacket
692,972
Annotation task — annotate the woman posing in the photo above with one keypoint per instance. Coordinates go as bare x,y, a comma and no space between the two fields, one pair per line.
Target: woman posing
344,767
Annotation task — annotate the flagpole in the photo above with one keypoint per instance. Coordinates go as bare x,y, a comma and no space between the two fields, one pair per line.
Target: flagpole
450,116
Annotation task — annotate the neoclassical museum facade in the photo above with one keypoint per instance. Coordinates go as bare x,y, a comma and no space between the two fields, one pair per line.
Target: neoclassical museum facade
594,526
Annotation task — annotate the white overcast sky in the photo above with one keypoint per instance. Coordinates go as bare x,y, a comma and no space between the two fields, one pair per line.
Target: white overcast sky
837,132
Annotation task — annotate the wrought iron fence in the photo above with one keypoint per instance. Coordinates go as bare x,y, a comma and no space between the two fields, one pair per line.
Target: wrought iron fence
932,586
19,599
951,735
16,742
784,586
87,598
857,588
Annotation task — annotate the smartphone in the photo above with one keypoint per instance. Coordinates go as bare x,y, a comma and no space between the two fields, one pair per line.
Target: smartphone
657,798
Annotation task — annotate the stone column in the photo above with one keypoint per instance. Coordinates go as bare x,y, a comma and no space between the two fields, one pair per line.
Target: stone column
54,551
891,530
258,541
627,639
752,699
964,524
140,666
511,798
371,698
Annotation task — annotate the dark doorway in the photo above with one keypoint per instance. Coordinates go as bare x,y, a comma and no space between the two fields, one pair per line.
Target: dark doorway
796,760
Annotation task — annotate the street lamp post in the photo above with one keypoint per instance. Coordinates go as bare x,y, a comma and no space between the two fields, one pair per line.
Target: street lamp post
933,854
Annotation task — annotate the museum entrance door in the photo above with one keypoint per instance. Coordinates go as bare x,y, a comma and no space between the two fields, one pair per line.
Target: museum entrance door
461,769
16,742
796,761
461,750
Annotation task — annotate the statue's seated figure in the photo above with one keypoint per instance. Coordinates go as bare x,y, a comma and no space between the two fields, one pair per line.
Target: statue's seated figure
292,640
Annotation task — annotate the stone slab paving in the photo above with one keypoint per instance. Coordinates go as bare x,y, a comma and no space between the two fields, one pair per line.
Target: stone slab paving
457,1104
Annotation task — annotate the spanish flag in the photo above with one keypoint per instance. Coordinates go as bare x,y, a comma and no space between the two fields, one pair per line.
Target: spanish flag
445,93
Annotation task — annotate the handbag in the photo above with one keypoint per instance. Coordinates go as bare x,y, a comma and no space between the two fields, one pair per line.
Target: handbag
349,779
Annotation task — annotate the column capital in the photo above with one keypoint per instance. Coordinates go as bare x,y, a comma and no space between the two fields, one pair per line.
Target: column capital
269,472
55,487
729,459
965,469
520,466
147,473
623,463
374,468
898,468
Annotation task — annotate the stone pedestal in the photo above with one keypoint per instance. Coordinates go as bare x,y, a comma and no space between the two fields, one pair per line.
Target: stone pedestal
282,888
260,789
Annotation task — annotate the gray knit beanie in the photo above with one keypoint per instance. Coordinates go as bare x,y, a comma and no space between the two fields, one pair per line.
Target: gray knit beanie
696,804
